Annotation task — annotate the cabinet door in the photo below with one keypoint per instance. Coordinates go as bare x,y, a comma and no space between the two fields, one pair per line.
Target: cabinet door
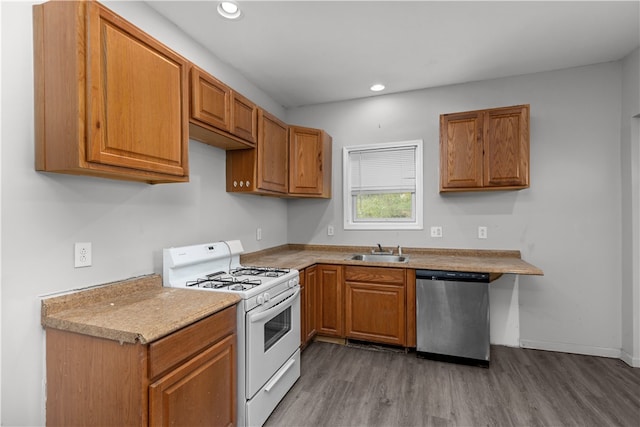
506,147
375,301
375,312
303,309
202,391
244,118
461,150
136,98
329,316
110,101
410,289
311,280
273,159
309,162
210,100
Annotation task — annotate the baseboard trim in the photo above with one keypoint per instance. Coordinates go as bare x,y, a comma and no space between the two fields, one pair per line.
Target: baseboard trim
572,348
634,362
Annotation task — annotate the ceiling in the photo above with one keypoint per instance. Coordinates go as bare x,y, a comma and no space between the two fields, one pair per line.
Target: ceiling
310,52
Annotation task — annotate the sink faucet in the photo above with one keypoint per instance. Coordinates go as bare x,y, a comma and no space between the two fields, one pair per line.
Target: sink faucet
399,250
381,251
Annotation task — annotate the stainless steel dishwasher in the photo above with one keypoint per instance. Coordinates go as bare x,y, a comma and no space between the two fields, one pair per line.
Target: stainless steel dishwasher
452,316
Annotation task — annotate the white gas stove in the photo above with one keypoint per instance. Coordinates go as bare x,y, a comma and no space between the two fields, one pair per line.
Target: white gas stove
268,324
216,266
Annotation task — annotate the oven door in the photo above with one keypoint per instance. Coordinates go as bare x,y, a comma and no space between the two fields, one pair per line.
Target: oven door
273,335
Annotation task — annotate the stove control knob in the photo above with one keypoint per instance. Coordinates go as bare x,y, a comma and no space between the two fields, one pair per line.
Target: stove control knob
292,283
267,297
260,300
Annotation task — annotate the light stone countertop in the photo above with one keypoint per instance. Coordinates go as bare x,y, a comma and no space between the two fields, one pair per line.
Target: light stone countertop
133,310
495,262
142,310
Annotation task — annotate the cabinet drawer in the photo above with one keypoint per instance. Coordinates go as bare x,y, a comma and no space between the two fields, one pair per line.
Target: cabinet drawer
183,344
375,274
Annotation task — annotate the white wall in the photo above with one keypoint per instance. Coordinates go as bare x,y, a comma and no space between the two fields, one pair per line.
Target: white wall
128,223
630,164
567,223
0,221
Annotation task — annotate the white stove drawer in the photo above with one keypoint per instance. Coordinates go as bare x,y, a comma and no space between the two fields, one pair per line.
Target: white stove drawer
263,403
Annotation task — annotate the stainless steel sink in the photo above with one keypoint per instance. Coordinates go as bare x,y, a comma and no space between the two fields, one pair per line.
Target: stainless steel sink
379,258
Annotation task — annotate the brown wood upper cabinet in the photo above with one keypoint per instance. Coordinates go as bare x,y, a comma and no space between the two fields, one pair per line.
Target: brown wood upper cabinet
288,161
110,101
220,116
485,149
264,169
309,162
244,118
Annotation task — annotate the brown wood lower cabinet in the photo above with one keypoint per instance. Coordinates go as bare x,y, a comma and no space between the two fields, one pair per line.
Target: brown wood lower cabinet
375,302
198,392
308,291
330,295
186,378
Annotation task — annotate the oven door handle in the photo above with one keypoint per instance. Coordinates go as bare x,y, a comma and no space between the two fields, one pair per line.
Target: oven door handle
274,305
280,374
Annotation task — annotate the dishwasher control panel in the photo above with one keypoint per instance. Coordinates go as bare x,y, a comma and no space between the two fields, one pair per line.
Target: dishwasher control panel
461,276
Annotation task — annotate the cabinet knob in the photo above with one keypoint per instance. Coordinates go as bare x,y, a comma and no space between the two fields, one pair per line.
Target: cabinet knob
235,183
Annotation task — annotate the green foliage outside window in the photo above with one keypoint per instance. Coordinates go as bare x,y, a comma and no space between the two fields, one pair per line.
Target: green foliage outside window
383,206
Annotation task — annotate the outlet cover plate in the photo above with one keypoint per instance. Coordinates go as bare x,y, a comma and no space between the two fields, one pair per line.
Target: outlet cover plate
82,257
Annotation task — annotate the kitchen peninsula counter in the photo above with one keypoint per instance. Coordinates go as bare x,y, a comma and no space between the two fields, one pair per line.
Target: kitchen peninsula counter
494,262
137,310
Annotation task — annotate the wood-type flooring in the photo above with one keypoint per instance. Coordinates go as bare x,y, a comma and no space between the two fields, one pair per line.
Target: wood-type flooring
356,386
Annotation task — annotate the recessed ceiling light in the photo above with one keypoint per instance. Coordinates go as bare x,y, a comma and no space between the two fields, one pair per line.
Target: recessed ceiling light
229,9
377,87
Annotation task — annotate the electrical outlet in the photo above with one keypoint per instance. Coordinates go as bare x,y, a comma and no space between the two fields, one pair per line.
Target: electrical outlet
82,255
330,230
436,231
482,232
258,233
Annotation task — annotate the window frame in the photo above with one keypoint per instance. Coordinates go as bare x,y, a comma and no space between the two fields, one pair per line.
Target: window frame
348,199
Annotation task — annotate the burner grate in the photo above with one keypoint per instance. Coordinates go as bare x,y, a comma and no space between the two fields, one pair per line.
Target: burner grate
211,281
259,271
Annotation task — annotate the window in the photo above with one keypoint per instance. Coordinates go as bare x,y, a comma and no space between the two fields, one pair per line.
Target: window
383,186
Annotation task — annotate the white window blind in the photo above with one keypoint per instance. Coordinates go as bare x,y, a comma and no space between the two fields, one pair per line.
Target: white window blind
387,170
383,186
